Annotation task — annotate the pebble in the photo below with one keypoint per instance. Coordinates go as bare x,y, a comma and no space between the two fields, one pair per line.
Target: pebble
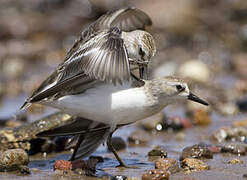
195,70
24,137
201,117
139,137
197,151
235,161
152,122
214,148
239,149
158,151
176,123
88,166
118,143
167,164
192,164
13,159
62,165
119,177
155,174
230,133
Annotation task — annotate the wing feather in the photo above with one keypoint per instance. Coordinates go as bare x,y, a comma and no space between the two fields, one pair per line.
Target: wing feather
99,54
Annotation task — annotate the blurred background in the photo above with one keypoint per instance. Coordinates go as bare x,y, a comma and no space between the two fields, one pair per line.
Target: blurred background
204,41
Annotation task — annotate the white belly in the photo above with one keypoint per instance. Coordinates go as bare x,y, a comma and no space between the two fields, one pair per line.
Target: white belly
106,103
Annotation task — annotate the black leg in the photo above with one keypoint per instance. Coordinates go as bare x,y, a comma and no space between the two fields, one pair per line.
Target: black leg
81,137
111,148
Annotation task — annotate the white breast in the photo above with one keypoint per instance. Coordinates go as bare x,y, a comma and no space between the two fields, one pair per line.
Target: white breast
105,103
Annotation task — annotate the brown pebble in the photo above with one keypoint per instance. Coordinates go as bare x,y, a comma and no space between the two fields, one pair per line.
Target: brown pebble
62,165
196,151
155,174
158,151
13,159
239,149
167,164
192,164
214,148
235,161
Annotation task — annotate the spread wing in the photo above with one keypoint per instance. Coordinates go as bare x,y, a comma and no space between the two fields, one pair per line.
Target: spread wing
99,54
102,58
127,19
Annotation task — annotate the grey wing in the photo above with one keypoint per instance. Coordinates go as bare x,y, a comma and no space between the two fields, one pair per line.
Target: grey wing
127,19
78,126
103,58
91,142
93,133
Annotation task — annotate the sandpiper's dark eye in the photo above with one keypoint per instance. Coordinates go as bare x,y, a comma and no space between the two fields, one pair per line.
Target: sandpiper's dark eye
179,87
141,52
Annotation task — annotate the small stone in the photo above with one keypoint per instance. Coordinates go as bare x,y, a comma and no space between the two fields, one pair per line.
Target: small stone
89,164
221,134
197,151
176,123
13,159
118,143
139,137
235,161
192,164
152,122
62,165
167,164
230,133
24,169
239,149
155,174
214,148
119,177
201,117
158,151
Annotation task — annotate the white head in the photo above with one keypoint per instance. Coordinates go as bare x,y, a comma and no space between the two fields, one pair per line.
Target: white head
170,89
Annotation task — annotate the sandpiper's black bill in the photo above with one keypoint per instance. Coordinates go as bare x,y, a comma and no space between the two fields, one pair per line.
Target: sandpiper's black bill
195,98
